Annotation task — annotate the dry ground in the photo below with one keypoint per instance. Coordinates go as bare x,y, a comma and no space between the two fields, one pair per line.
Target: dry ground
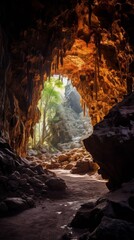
49,220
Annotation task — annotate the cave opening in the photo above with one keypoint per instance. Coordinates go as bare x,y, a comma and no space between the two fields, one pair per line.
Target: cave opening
91,42
64,123
64,118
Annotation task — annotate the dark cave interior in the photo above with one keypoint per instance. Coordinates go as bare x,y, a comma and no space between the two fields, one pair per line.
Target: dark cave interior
92,43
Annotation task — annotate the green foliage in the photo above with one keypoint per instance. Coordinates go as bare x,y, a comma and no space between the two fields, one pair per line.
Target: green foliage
51,97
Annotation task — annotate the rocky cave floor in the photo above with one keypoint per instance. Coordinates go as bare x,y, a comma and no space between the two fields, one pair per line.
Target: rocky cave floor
63,206
50,218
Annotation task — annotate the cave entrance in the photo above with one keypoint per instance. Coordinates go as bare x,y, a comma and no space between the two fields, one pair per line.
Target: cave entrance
63,123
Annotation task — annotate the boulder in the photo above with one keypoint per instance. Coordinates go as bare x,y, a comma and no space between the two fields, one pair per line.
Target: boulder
69,166
52,165
62,158
36,183
110,217
78,160
83,166
56,184
16,204
111,143
112,229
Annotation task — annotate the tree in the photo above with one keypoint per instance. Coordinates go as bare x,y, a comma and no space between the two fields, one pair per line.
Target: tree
50,99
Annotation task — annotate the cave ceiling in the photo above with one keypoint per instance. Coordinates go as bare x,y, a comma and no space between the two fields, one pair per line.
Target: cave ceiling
90,42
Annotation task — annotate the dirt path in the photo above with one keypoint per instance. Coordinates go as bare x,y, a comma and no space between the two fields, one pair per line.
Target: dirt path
48,221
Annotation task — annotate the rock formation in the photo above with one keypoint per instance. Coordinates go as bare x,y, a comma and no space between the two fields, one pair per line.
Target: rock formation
21,183
111,143
70,124
77,160
110,217
91,42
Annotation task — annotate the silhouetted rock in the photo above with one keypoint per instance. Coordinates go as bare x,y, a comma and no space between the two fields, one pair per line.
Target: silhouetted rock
20,182
111,143
112,229
110,217
16,205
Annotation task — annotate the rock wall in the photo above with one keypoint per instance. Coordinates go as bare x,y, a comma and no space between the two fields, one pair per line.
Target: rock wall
101,66
111,143
29,39
39,37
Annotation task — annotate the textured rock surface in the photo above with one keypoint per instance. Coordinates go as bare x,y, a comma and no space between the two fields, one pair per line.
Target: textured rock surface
93,40
111,143
77,160
21,183
69,124
110,217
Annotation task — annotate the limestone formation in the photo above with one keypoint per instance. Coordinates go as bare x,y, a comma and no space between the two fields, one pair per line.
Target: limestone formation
91,42
111,143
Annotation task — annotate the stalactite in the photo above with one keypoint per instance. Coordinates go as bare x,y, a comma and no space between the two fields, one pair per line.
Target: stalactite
11,101
97,39
61,58
95,87
57,60
55,67
5,91
30,88
28,84
48,67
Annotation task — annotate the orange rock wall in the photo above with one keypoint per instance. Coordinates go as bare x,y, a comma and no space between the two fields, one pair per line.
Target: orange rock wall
91,42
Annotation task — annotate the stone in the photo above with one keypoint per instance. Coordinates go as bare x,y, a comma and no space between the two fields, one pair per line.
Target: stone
69,166
56,184
35,182
81,167
28,171
62,158
90,215
30,202
43,177
111,143
22,181
27,188
15,176
113,229
90,25
52,165
109,217
38,169
25,176
32,152
13,184
16,204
